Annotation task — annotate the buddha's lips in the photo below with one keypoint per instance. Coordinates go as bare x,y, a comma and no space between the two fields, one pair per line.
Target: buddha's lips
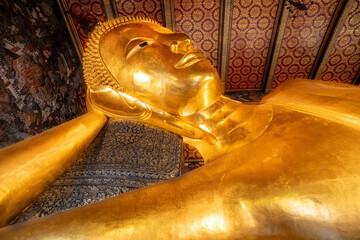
189,59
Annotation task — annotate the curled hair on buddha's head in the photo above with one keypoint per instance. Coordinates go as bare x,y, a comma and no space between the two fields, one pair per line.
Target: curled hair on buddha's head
95,71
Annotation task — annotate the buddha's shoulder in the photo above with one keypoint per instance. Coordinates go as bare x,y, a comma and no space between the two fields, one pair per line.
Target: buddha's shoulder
332,101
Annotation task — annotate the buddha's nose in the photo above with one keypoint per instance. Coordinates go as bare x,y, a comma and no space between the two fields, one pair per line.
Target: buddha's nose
180,43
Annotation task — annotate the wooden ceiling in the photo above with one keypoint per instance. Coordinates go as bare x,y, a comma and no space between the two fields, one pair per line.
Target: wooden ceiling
254,44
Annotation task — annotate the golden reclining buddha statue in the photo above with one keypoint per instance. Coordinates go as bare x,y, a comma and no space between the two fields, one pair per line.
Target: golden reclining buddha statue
287,168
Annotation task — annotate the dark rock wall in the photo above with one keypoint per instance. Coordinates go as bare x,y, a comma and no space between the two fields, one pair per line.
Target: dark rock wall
41,82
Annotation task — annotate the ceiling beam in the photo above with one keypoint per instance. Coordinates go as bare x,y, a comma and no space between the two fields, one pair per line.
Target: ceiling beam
356,80
168,14
281,19
110,10
225,26
337,21
71,27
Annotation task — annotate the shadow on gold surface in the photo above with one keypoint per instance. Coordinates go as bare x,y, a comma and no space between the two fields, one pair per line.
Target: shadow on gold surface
287,168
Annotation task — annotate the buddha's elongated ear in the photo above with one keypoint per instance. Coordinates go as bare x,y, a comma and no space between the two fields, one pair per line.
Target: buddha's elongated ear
117,104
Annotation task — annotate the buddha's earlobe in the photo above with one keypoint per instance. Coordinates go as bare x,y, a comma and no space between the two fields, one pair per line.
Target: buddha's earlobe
117,104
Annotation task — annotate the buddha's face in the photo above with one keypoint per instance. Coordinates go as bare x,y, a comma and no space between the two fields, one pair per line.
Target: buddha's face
160,67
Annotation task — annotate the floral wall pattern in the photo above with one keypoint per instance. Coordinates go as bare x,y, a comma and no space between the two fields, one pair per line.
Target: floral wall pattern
252,26
301,42
140,8
41,83
344,60
200,21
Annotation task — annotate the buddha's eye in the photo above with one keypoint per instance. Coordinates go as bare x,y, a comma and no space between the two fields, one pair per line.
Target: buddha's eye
137,44
143,44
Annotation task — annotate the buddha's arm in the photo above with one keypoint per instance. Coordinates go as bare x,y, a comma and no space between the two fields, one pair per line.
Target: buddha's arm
28,167
298,180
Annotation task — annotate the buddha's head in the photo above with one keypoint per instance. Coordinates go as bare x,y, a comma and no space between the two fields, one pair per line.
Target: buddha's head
140,58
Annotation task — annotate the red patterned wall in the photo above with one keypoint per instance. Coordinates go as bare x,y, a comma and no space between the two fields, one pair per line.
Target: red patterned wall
252,26
140,8
200,21
302,38
344,60
191,153
85,11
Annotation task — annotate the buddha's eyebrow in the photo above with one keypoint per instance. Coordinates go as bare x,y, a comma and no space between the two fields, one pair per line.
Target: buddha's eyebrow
136,36
136,44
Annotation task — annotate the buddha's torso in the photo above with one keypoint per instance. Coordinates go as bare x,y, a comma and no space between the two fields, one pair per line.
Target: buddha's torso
298,176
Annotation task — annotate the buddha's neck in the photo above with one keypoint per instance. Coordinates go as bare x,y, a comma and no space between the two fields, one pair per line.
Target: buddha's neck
232,123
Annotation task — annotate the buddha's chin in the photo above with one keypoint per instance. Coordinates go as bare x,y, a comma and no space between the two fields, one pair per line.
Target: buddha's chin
208,95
